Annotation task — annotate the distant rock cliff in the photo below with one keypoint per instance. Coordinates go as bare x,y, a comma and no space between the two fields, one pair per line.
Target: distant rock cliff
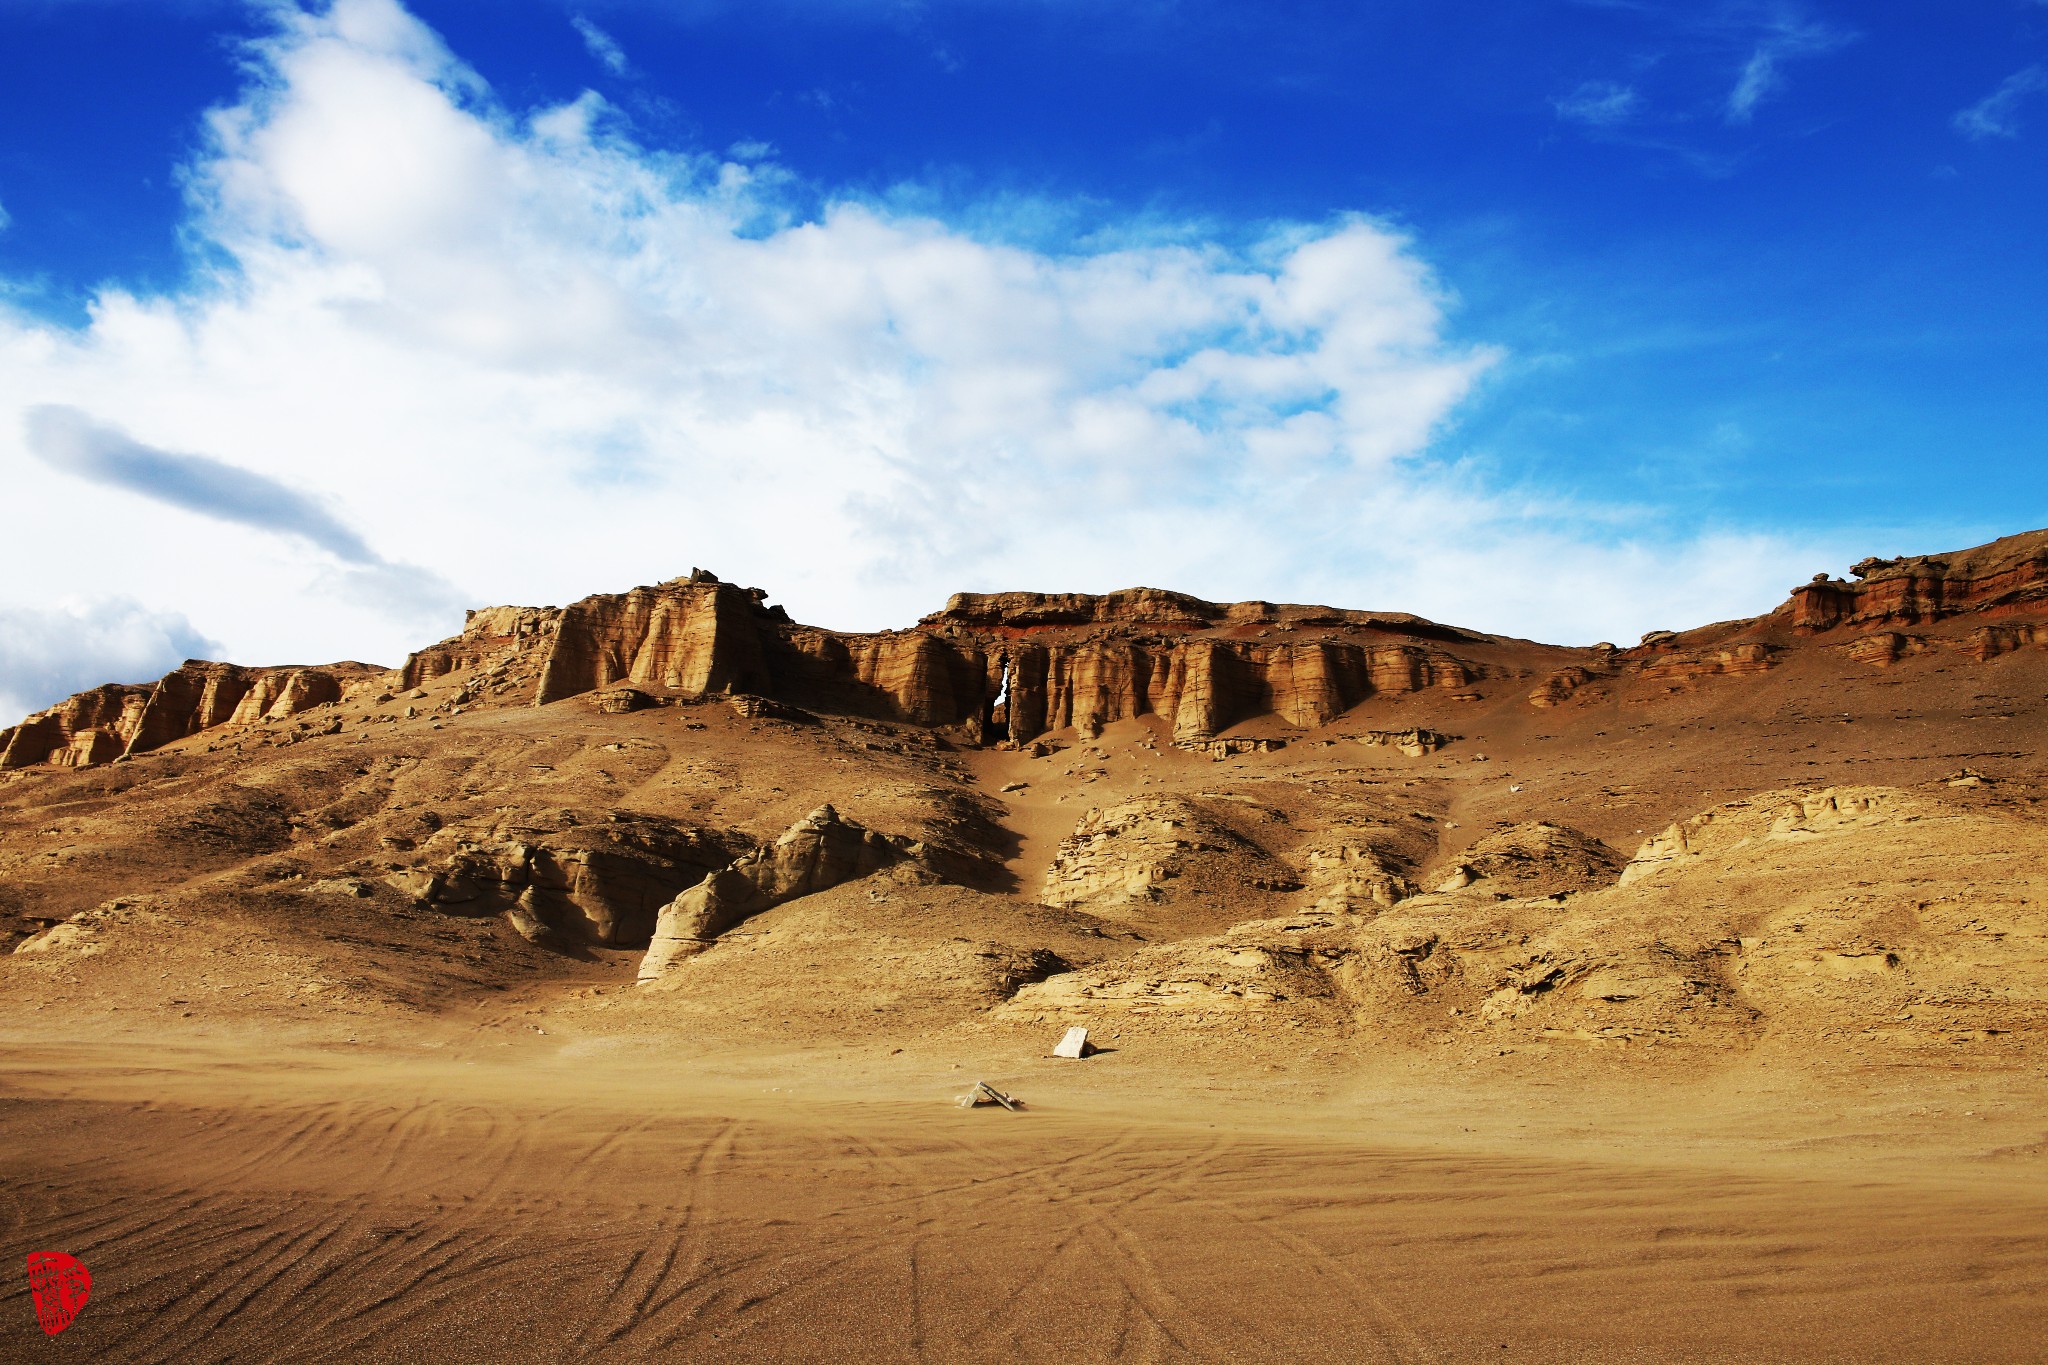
2004,577
116,720
1008,668
1014,666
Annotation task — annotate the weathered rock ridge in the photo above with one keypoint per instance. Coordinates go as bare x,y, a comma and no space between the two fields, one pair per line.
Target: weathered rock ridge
1013,666
565,876
2005,577
1008,668
111,722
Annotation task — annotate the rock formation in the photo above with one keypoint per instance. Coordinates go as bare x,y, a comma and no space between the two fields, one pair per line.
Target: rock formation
487,635
817,852
1012,668
106,723
2009,575
1128,853
1535,858
569,876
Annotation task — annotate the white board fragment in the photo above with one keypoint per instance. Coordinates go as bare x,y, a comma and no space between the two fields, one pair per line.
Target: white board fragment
1075,1044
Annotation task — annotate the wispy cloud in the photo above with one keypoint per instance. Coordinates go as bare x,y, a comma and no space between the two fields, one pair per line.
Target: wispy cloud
67,440
1763,75
603,46
1997,114
1672,98
1599,104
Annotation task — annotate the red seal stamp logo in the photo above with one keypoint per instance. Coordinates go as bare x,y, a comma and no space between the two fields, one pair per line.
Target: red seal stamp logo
61,1284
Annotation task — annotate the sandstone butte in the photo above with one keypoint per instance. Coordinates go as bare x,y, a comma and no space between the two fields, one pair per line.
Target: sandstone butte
994,668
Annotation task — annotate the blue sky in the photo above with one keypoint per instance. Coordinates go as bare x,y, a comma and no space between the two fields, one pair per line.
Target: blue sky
1654,309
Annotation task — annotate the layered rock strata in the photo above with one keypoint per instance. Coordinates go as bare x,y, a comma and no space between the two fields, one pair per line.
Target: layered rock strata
488,635
2009,575
1013,666
110,722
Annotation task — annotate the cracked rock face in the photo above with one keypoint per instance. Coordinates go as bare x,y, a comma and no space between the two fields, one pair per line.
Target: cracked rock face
116,721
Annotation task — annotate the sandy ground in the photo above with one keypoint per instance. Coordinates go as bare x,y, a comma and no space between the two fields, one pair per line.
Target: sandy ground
466,1198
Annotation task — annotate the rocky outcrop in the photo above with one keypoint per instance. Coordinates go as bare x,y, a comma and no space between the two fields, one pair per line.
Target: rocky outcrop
1791,817
1536,858
280,693
566,876
690,636
1687,666
106,723
488,635
1014,668
1205,684
1883,648
90,727
1217,749
1151,849
1352,871
1011,666
1562,685
196,696
1415,743
1019,614
619,701
2009,575
1988,642
816,853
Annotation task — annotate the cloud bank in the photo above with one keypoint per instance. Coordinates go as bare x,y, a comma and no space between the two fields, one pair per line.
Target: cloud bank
545,360
47,654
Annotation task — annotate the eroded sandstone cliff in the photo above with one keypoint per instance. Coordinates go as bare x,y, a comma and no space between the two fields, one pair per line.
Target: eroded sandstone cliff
106,723
2005,576
1014,666
1009,668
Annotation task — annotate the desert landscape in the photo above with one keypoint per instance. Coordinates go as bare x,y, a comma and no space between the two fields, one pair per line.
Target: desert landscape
602,983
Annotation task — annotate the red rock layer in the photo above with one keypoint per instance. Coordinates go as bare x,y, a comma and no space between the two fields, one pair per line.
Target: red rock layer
2006,576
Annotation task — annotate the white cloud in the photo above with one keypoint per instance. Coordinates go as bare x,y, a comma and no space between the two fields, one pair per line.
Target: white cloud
47,654
1763,74
539,360
1599,104
602,46
1997,114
